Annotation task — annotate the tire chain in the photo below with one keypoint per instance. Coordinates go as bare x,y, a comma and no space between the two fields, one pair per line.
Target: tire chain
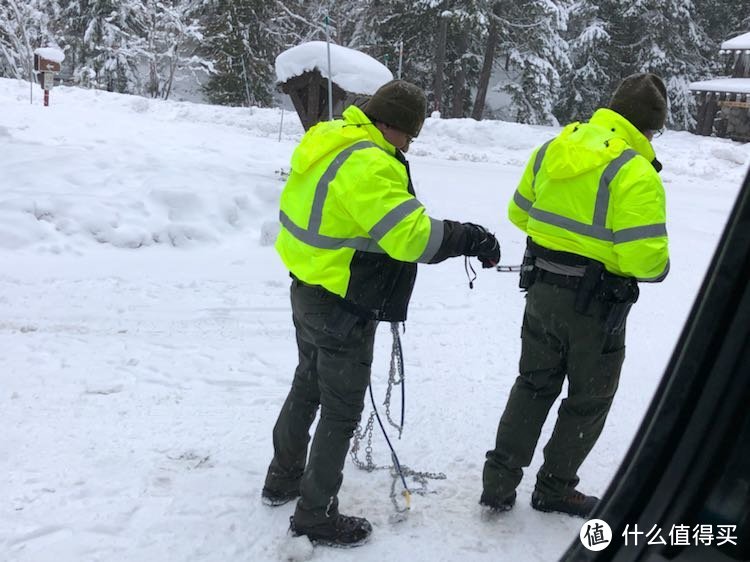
395,377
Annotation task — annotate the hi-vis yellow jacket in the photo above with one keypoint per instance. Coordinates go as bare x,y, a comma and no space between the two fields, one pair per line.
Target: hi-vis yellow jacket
350,220
593,191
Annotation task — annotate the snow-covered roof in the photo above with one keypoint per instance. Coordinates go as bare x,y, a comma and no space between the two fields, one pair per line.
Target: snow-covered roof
352,70
731,85
50,53
739,42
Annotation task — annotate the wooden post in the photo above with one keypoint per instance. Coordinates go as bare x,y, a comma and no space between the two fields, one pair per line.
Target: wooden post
708,119
313,96
720,124
741,66
440,60
701,115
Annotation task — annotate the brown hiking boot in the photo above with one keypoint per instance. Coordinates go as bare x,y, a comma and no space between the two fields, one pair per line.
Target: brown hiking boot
574,503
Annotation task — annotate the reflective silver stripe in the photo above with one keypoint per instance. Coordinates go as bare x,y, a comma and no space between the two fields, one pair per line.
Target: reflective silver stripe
328,242
561,269
609,173
600,232
538,161
640,232
658,278
594,231
321,190
522,202
436,239
597,229
393,217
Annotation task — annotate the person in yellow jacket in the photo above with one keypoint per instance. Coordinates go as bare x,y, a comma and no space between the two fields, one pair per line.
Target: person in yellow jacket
593,207
352,233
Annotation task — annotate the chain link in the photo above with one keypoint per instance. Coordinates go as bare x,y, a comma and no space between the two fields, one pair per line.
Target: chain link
395,378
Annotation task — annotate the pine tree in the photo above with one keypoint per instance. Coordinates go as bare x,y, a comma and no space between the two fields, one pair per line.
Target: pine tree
666,39
585,86
467,34
535,46
171,37
102,42
391,22
415,24
723,19
239,41
25,26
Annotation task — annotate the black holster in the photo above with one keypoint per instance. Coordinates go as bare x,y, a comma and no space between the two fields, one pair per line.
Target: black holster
588,286
528,271
619,294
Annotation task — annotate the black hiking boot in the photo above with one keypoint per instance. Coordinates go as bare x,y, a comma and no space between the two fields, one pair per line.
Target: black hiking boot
275,498
497,505
575,503
342,531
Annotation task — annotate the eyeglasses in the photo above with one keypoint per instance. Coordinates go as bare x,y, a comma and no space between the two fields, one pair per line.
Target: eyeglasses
659,132
409,138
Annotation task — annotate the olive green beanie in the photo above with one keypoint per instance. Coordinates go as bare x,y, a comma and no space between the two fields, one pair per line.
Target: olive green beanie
642,100
400,104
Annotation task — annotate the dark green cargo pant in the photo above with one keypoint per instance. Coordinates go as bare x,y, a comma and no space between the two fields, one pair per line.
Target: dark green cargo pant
335,355
555,341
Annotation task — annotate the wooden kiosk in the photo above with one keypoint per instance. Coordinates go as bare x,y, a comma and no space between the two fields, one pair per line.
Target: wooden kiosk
302,73
309,94
724,103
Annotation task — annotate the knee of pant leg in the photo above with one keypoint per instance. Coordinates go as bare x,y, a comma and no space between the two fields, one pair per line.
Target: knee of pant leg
345,419
545,382
588,406
345,428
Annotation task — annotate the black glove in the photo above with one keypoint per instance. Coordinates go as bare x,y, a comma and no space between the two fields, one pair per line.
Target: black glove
482,244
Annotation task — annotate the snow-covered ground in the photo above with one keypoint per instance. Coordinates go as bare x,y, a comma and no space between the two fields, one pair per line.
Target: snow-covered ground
147,345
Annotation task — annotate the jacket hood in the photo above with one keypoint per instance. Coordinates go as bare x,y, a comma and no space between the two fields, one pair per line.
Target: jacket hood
581,147
332,136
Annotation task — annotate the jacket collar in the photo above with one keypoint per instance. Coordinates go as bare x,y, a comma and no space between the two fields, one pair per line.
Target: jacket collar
621,128
354,116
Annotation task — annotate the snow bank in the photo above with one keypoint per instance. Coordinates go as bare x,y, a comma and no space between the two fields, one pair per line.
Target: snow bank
98,168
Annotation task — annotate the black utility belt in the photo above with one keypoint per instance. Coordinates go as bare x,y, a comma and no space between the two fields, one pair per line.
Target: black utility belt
617,293
557,279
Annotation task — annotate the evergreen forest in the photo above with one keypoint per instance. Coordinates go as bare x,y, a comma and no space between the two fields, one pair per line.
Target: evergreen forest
558,59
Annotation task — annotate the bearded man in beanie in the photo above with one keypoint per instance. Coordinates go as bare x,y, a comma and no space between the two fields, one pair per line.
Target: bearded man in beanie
352,235
593,208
